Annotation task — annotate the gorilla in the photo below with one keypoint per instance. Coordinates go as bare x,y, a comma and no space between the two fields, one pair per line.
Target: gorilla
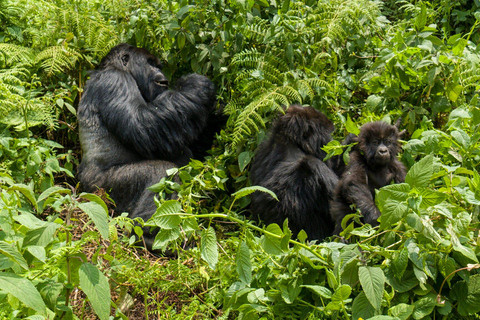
290,163
373,164
133,127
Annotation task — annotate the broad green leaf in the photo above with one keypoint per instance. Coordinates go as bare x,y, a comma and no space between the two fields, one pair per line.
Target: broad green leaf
272,244
249,190
342,294
399,263
96,199
98,214
40,236
319,290
10,250
431,198
351,126
244,265
51,191
453,91
424,306
372,280
459,47
167,215
406,283
291,289
50,290
420,173
462,138
362,308
471,305
244,159
27,192
164,237
402,311
391,201
466,252
95,286
208,246
23,290
372,103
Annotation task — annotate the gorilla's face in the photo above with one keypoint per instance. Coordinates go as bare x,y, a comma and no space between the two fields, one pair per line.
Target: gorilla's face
145,68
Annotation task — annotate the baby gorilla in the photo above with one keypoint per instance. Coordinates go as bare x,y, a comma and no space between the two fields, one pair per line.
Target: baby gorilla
373,164
290,163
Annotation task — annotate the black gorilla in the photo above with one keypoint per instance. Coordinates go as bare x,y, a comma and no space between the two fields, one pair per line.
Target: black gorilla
290,163
373,164
133,128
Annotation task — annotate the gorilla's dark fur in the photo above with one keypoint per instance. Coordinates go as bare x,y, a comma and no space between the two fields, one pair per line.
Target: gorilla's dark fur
373,164
290,163
133,128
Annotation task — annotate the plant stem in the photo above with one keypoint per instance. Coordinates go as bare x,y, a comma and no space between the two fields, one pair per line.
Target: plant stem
229,217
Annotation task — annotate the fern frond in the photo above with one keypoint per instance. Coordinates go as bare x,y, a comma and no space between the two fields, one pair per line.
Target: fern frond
57,59
14,54
257,30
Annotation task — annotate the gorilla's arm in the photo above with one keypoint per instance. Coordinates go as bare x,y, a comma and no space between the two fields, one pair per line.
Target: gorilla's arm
161,129
356,191
400,171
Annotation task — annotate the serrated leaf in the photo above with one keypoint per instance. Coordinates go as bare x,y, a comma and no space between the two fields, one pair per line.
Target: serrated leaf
98,214
420,173
401,311
164,237
391,201
351,126
271,244
10,250
471,305
321,291
431,198
208,246
243,263
462,138
23,290
249,190
399,264
167,215
372,280
27,192
362,308
424,307
41,236
95,285
341,294
406,283
96,199
51,191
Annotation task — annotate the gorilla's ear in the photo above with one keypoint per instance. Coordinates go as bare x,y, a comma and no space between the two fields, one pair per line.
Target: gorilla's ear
125,59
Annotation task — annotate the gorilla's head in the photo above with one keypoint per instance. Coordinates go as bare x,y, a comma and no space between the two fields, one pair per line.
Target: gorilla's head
144,67
378,141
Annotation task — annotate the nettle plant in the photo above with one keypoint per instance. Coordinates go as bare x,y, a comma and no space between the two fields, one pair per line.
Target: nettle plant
420,262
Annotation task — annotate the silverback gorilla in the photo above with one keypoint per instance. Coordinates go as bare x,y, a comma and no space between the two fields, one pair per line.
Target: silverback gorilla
290,163
373,164
133,128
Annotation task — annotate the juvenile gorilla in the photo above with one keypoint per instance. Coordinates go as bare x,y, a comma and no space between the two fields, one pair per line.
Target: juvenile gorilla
373,164
133,128
290,163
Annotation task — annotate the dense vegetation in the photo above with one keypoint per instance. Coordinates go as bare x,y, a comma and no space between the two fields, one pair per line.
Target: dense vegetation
64,256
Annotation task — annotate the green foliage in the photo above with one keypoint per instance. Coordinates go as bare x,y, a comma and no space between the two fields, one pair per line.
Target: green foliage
357,61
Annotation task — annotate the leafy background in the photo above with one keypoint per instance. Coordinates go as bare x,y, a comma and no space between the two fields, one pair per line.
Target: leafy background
63,254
